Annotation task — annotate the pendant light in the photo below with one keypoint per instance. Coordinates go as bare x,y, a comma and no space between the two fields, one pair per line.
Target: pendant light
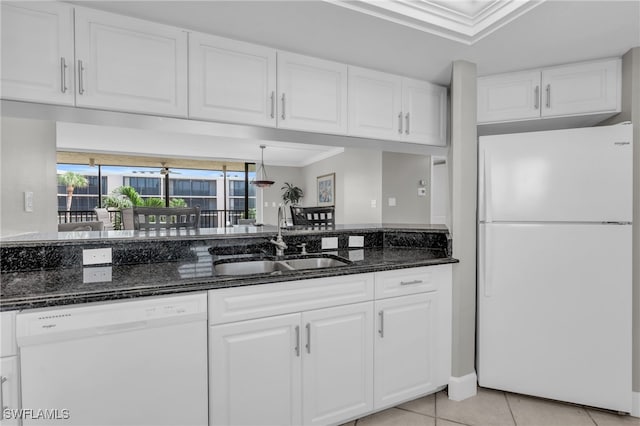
262,180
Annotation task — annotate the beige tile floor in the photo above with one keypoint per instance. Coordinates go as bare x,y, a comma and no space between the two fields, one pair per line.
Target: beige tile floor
492,408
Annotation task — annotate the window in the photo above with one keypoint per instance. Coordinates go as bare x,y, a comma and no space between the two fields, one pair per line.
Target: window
145,186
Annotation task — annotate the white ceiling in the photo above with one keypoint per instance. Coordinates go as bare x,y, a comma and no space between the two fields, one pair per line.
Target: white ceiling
553,32
416,38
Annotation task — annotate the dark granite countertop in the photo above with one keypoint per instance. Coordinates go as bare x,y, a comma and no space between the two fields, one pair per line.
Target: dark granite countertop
64,286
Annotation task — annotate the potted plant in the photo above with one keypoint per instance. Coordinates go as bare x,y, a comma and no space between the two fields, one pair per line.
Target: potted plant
291,195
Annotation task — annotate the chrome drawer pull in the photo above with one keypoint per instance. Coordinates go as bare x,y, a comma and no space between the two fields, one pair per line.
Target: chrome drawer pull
297,340
381,329
411,282
308,338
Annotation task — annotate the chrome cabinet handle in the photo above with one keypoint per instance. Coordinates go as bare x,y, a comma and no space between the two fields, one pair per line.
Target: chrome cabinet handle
297,340
400,123
406,117
536,95
63,75
283,105
308,338
548,96
381,329
80,77
273,104
411,282
2,380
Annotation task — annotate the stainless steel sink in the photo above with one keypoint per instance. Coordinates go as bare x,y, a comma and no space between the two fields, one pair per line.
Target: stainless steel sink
249,267
262,266
316,262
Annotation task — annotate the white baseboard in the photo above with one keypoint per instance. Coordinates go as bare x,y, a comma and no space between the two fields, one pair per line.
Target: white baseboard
635,404
463,387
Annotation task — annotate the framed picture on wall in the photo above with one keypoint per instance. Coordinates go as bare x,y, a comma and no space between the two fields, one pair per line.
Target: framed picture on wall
327,190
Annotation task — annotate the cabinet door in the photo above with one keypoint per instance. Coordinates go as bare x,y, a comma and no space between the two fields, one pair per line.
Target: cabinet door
337,363
425,112
37,52
375,104
582,88
405,348
509,97
130,65
231,81
312,94
10,388
254,372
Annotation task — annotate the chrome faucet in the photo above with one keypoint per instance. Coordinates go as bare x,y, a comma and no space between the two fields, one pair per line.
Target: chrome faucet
281,246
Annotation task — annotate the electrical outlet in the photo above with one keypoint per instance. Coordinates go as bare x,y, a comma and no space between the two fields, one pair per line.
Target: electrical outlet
96,256
329,243
98,274
356,241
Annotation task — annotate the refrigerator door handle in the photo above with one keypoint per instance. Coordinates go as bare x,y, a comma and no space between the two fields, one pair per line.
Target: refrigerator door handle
485,196
485,261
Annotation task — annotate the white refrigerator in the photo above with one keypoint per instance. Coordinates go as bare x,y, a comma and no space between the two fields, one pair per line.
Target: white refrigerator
554,265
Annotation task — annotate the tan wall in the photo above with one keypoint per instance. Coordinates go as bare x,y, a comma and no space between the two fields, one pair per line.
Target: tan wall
401,174
28,164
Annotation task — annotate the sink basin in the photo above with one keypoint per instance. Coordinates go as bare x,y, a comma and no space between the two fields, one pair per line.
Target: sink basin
315,262
249,267
262,266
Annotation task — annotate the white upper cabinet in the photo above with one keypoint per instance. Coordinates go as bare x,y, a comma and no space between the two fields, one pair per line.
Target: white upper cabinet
312,94
425,112
388,106
582,88
513,96
231,81
568,90
375,104
131,65
37,52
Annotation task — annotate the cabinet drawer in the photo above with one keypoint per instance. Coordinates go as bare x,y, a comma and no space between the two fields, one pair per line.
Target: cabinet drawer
241,303
410,281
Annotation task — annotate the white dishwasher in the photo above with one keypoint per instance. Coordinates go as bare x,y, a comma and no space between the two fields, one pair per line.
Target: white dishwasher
139,362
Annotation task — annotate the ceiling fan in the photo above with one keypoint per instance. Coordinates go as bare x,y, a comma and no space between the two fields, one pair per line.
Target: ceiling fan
164,170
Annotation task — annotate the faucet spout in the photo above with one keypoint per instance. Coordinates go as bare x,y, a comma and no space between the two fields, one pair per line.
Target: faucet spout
281,246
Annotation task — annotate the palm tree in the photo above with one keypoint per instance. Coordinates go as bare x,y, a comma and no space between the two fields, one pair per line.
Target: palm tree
72,180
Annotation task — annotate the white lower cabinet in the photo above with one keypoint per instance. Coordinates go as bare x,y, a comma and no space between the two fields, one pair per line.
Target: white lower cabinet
312,368
255,372
9,371
323,351
413,333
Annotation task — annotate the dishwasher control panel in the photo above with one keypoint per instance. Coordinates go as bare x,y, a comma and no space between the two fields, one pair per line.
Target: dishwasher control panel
103,318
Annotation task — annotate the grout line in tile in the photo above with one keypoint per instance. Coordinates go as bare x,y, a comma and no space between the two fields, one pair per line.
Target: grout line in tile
414,412
510,410
590,416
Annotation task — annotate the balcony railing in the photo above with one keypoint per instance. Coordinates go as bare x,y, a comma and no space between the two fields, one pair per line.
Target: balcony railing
208,218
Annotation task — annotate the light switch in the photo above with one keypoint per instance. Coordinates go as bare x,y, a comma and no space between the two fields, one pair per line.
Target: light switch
392,201
373,204
422,192
28,201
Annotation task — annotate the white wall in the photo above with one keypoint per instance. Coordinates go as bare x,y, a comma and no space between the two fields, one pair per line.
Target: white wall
28,163
358,185
401,174
440,192
273,196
